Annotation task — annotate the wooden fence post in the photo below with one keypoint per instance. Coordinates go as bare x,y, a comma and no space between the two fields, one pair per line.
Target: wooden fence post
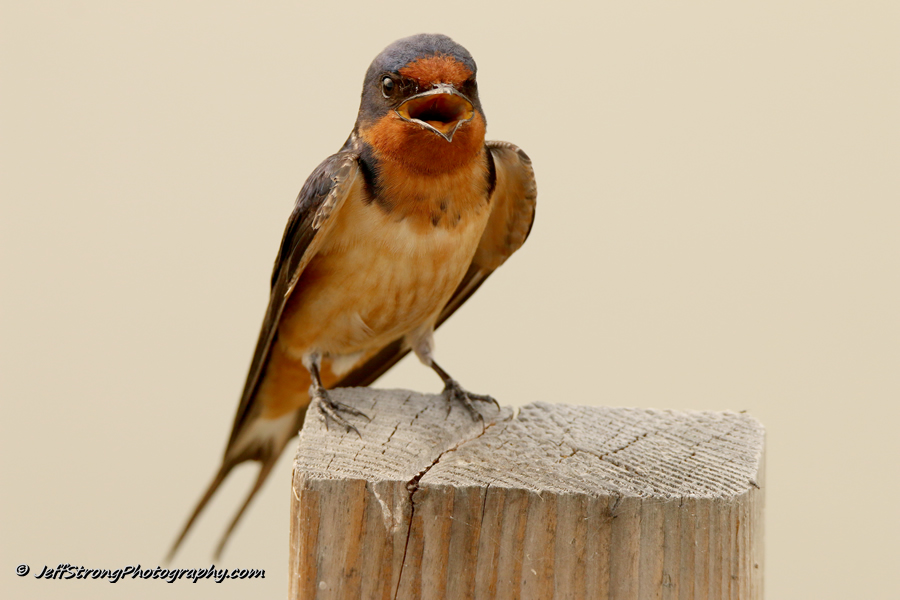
556,501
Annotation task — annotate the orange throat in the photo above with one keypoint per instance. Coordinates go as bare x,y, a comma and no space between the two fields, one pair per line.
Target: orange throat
422,151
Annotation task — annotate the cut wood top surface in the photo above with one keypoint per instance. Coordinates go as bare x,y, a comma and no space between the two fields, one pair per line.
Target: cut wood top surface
544,447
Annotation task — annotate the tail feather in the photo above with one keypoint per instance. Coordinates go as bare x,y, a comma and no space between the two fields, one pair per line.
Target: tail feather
264,471
224,470
261,440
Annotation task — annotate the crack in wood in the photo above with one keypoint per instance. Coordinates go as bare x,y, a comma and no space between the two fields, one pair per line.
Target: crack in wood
484,501
412,486
390,437
606,456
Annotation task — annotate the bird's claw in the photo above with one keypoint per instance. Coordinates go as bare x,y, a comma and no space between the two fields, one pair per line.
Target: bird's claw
454,391
331,409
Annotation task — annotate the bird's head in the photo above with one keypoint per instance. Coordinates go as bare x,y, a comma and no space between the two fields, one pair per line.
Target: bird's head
420,104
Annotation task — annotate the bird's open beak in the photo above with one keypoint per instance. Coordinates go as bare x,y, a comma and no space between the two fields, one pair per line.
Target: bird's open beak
441,110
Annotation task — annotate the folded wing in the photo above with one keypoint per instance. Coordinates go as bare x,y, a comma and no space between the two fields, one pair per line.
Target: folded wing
321,196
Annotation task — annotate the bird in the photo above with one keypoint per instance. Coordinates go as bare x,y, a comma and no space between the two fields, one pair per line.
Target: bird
387,238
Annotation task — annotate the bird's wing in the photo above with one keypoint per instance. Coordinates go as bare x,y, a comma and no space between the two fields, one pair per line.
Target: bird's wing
321,196
513,199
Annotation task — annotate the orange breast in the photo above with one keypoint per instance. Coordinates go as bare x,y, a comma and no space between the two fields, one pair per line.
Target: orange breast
382,270
381,274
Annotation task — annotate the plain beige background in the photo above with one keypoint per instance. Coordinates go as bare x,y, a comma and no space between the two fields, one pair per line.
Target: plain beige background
717,228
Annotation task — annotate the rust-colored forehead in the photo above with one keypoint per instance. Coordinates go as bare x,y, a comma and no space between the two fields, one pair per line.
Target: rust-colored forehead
439,68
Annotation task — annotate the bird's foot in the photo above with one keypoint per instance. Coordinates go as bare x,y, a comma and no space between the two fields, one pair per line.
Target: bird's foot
454,391
331,409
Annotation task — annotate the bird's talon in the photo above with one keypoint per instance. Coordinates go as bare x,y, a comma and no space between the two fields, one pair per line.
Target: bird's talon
454,391
349,409
330,410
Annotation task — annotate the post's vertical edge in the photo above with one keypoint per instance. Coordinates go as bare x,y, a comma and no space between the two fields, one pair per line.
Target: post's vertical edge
304,539
757,530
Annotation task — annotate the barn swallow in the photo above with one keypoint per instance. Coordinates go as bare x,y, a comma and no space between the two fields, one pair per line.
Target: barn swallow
388,237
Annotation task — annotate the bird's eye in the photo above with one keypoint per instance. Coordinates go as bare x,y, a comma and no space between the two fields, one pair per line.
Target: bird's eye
387,86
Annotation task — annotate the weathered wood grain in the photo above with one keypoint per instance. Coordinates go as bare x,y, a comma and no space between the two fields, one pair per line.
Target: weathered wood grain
553,502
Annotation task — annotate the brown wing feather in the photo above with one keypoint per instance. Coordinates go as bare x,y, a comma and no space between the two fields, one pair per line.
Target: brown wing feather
317,199
512,215
322,194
